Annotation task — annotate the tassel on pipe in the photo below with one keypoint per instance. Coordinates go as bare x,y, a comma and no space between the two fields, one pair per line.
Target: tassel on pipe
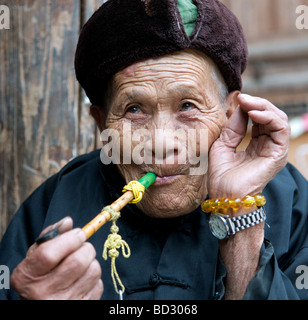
104,216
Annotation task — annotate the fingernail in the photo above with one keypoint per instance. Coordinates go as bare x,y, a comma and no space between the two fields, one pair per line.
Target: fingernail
81,235
48,236
246,97
59,223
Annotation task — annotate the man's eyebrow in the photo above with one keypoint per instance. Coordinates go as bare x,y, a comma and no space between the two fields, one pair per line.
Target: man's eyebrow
185,89
129,96
136,94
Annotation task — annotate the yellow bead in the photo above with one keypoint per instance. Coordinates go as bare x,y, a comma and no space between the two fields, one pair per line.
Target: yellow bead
205,207
223,203
213,204
248,201
235,203
260,200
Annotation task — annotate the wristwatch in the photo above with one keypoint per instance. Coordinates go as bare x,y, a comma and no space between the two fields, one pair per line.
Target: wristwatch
222,226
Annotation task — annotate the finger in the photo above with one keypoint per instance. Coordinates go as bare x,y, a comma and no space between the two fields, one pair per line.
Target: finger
72,267
63,225
235,129
275,127
96,292
49,254
249,103
267,118
82,288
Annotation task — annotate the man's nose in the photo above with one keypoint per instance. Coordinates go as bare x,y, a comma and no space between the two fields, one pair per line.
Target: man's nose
166,145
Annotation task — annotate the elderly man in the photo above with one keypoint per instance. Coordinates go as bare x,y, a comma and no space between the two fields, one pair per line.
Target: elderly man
154,65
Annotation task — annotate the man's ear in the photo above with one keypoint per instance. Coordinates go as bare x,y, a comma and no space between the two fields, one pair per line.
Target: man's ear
99,115
231,102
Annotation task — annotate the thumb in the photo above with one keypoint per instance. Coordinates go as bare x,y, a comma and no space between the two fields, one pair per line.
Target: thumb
234,130
63,225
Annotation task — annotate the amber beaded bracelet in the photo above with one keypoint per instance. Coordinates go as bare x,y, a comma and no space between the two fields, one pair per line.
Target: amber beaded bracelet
222,204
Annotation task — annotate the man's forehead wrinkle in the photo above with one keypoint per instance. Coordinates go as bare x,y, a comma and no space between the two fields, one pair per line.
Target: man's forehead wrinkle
188,77
134,87
176,62
175,67
136,92
167,74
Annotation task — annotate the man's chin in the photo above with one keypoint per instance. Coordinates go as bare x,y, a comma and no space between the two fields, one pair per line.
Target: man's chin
164,208
164,214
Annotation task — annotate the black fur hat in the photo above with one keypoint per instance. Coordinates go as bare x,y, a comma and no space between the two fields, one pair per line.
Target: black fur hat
122,32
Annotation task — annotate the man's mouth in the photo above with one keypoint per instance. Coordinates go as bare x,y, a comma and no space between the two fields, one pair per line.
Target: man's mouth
163,180
167,174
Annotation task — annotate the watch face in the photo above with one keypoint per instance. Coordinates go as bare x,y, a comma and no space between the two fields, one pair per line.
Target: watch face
218,226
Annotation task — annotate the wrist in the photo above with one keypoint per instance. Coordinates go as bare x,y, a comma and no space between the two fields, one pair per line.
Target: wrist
228,216
241,256
236,191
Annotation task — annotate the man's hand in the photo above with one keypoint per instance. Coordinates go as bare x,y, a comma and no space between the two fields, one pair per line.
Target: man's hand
237,174
63,268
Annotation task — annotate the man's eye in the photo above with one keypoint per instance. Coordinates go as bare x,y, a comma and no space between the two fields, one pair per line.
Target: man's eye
187,106
133,109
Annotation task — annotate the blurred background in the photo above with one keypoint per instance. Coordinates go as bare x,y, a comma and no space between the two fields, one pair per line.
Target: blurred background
44,119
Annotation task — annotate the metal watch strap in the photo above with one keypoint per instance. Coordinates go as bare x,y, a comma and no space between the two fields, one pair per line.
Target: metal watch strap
247,220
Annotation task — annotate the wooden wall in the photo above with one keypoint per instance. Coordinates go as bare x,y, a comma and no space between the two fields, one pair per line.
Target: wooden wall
267,19
44,119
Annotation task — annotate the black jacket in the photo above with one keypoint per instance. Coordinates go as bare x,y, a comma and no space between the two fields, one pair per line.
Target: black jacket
171,258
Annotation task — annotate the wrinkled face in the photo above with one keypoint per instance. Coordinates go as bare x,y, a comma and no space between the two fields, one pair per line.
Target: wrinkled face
168,111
